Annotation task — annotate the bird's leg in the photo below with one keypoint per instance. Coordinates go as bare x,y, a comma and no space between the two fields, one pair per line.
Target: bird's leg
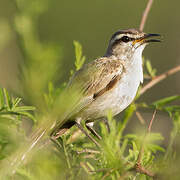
55,137
89,126
78,124
58,132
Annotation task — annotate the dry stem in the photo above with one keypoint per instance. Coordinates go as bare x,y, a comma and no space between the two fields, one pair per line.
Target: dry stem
138,165
159,78
139,116
88,151
145,15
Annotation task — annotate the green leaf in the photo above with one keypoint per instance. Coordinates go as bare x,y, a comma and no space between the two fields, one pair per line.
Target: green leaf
78,53
172,109
151,71
24,113
124,146
7,98
16,102
148,66
165,101
127,115
9,113
24,108
154,137
1,98
131,136
10,108
154,148
135,148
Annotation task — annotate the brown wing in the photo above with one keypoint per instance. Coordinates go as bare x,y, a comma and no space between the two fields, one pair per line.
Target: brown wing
99,75
90,82
109,86
94,79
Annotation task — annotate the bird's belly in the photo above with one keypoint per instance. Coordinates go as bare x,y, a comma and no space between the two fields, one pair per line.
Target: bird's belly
116,99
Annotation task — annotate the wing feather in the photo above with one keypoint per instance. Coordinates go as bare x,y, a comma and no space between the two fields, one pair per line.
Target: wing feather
94,79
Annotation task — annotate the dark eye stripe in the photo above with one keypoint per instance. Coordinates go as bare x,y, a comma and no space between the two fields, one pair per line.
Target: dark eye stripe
126,39
122,39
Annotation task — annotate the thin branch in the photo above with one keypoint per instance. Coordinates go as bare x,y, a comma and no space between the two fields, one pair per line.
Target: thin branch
102,170
142,170
145,15
20,157
138,165
107,174
85,166
150,124
91,151
139,116
148,131
159,78
66,154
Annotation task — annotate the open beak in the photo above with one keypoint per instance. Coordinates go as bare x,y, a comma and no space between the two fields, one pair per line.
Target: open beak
146,39
147,36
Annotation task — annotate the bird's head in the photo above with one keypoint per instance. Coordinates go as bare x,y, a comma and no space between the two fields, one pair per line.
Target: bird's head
125,43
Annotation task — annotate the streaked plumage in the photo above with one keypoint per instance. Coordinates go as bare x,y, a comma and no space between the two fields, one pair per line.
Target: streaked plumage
110,82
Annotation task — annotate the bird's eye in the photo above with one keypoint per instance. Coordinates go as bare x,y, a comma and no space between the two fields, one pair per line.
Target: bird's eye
125,39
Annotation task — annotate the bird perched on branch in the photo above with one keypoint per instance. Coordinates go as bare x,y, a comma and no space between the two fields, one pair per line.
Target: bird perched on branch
109,82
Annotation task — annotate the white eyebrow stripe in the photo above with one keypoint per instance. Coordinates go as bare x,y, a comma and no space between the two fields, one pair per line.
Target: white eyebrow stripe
119,36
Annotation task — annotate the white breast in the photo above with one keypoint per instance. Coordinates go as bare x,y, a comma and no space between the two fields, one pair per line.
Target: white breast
122,95
128,85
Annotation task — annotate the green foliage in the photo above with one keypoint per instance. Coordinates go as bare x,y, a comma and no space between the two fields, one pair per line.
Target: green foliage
80,59
151,71
163,104
12,113
165,101
10,108
52,94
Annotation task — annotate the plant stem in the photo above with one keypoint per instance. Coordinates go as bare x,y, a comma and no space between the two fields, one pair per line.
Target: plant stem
139,168
159,78
66,154
145,15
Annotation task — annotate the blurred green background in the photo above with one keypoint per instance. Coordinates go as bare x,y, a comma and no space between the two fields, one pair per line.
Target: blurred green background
92,23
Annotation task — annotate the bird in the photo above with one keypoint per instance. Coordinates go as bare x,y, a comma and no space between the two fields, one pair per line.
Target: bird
109,82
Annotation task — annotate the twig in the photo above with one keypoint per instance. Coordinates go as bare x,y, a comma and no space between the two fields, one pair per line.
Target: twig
150,124
159,78
138,165
142,170
85,166
145,14
147,77
148,131
139,116
91,151
66,154
90,156
107,174
124,176
102,170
